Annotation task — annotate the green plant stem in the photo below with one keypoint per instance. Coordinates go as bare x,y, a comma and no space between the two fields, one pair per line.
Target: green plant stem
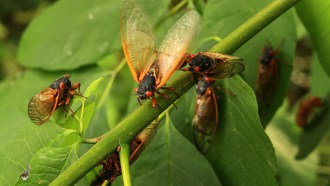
253,26
124,156
110,83
144,115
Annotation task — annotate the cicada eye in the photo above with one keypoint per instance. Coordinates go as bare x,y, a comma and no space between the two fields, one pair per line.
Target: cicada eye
197,69
136,90
148,93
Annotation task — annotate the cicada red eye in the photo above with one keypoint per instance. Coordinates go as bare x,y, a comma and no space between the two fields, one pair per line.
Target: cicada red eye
205,121
43,105
151,68
213,65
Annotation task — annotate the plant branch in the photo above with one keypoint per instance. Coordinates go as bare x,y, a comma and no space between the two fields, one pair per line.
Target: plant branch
253,26
124,156
144,115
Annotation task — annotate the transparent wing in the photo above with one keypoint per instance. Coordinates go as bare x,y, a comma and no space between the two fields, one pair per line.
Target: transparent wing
42,106
174,46
137,40
205,121
226,65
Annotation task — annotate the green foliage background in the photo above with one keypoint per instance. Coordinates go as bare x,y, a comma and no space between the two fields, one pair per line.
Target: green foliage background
82,38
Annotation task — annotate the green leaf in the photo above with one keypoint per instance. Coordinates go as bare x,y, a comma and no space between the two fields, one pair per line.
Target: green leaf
242,153
29,141
318,79
81,34
315,16
14,101
284,135
220,18
89,106
316,130
91,89
173,156
49,162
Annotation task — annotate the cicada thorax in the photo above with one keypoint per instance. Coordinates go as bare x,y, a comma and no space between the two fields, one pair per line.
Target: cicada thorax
43,105
306,110
201,63
205,119
213,65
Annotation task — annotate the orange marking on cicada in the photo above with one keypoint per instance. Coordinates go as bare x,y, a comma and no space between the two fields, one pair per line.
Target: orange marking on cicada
205,121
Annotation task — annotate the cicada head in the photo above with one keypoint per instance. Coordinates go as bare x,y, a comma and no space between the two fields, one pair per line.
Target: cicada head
268,54
147,86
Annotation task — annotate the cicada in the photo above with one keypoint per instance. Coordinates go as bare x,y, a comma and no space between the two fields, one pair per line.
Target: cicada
205,121
306,109
213,65
111,165
150,67
42,106
267,72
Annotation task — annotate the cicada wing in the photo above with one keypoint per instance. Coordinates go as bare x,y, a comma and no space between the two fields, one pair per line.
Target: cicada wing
137,40
143,139
43,105
225,66
205,121
174,46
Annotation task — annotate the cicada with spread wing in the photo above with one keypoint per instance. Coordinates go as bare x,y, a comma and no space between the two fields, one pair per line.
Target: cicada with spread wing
152,67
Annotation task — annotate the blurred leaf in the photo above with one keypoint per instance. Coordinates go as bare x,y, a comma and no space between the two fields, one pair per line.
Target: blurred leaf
81,34
316,130
242,153
315,16
48,163
31,139
318,79
284,135
168,157
221,23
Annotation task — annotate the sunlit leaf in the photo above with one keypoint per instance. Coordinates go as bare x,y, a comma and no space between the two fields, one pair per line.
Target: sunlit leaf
49,162
28,143
80,35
